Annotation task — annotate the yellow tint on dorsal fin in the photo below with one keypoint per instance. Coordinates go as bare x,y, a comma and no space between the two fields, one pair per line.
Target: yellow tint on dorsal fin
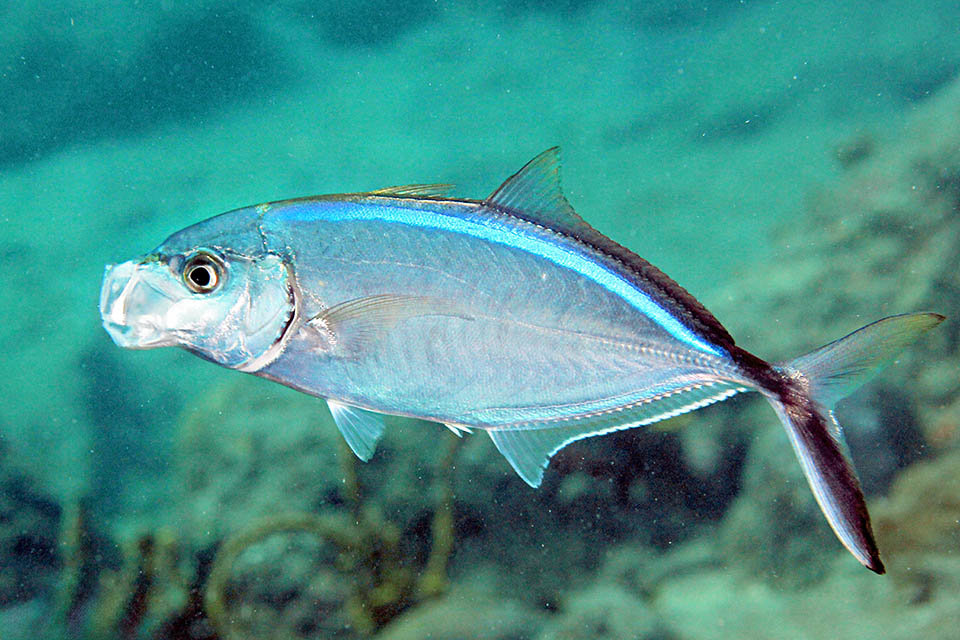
415,190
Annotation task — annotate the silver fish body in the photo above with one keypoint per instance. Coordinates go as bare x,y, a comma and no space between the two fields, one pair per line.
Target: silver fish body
460,327
510,315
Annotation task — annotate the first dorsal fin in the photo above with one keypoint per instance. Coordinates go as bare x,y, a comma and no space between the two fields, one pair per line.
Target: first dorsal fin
415,190
533,194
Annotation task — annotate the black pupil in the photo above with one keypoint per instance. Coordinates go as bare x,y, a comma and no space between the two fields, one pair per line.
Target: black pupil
200,275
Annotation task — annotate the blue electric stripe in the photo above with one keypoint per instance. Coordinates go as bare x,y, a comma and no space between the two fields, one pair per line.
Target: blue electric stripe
489,230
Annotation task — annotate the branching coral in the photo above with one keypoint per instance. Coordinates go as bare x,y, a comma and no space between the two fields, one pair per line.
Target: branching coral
379,582
920,515
148,589
287,576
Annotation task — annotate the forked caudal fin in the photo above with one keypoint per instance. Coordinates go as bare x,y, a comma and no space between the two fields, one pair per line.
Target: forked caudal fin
812,384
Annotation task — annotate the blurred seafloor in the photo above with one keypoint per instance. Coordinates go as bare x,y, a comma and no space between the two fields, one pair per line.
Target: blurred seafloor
796,166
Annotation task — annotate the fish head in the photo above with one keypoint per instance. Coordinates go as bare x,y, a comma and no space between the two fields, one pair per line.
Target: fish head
231,307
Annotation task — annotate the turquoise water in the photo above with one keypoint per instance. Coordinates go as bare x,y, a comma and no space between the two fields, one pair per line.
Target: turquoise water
793,165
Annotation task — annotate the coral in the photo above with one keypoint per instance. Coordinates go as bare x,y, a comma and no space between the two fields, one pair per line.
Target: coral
883,239
917,524
352,579
246,448
340,574
29,520
125,597
603,611
319,591
149,588
465,615
434,579
77,556
849,603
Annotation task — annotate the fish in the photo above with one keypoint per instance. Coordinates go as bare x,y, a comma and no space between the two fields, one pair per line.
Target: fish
509,315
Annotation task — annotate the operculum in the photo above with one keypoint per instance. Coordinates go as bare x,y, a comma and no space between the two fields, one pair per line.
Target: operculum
272,312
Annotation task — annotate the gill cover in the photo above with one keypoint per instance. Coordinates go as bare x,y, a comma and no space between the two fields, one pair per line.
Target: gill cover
235,322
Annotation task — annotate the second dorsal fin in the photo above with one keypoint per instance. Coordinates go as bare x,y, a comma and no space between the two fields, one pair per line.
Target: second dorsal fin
534,194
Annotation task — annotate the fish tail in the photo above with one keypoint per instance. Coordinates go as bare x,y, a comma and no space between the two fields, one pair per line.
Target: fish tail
803,394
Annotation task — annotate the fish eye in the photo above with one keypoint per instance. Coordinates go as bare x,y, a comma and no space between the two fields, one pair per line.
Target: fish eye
202,273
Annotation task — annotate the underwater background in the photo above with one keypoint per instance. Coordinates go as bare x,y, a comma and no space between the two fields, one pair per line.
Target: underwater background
796,166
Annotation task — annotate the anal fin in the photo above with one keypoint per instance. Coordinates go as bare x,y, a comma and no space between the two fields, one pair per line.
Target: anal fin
528,447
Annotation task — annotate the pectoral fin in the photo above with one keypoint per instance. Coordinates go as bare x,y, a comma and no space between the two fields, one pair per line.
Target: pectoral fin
360,428
345,330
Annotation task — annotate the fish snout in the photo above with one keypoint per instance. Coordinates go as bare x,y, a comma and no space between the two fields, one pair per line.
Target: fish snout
132,306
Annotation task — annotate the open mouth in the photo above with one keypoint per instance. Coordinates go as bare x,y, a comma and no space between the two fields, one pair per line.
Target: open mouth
127,300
